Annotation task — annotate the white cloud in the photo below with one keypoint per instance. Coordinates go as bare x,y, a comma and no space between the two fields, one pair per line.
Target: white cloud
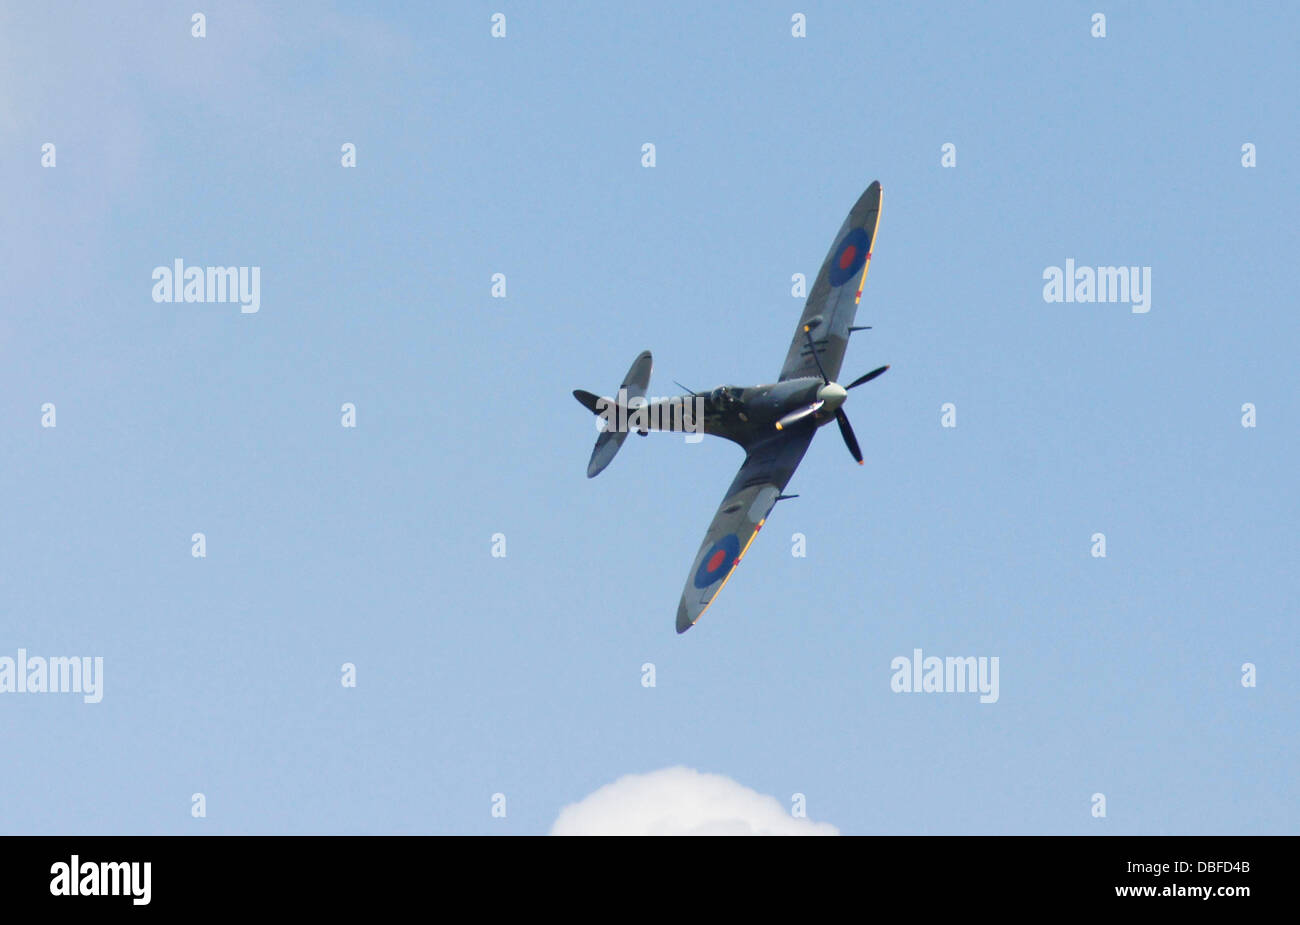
681,801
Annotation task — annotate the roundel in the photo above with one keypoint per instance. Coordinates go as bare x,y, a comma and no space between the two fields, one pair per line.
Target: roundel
717,561
849,257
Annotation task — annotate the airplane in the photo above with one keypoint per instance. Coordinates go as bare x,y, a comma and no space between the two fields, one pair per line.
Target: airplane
773,423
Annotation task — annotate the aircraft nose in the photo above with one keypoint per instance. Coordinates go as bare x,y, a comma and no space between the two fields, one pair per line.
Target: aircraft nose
833,394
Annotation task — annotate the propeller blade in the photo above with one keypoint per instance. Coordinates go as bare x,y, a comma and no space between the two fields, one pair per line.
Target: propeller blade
861,380
846,431
799,415
807,332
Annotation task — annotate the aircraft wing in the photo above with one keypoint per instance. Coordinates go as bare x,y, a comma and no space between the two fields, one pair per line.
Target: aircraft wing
761,479
836,293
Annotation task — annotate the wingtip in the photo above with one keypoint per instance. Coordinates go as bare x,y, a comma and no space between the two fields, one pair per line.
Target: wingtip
684,621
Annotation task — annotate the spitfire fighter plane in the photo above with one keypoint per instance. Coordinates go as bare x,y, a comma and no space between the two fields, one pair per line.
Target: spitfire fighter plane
774,423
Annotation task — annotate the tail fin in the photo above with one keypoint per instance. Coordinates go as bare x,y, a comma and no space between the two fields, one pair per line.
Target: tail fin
608,443
589,401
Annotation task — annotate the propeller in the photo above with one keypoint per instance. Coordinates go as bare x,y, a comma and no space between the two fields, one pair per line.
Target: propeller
807,332
842,419
846,431
862,380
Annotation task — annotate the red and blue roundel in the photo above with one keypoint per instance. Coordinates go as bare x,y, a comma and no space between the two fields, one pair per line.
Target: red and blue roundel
849,256
717,561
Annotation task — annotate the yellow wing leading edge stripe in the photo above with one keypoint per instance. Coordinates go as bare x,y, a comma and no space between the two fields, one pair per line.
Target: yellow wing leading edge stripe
880,206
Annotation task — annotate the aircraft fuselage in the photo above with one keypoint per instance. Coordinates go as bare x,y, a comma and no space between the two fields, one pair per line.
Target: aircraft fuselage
747,414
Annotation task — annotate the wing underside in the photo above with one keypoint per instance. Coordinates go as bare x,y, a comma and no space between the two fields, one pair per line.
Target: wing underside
836,293
761,479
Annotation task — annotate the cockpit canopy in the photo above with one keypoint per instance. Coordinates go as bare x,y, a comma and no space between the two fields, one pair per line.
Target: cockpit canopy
725,395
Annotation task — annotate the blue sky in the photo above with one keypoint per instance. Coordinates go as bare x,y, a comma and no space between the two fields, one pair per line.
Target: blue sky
522,675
